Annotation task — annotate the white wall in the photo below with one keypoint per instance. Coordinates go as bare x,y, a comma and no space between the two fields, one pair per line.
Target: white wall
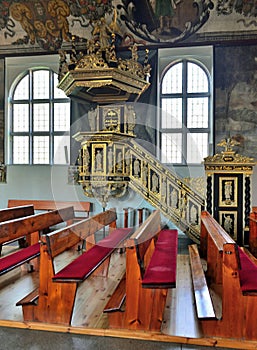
50,182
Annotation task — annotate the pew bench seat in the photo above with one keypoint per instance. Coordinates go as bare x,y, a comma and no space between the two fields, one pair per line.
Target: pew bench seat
55,299
29,227
83,266
159,274
247,273
20,257
233,274
7,214
161,270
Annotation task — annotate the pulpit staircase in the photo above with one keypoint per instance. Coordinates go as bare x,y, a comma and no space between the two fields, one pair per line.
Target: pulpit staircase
178,200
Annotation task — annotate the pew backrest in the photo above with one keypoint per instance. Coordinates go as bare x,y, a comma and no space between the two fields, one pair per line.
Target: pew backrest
83,208
20,227
212,240
144,236
54,300
64,239
151,254
211,228
16,212
156,250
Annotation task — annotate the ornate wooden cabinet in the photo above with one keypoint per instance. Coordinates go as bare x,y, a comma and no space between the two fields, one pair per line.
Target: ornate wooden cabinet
229,190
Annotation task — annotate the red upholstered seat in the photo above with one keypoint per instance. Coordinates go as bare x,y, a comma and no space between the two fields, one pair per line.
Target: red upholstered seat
87,263
247,273
161,271
9,262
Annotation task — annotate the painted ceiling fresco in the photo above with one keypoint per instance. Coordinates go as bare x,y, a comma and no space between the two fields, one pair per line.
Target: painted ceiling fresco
48,24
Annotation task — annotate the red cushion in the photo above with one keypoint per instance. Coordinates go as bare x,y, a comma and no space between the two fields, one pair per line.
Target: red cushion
85,264
161,271
13,260
247,273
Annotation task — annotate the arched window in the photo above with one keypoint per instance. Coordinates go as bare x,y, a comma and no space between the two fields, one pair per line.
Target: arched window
185,113
39,119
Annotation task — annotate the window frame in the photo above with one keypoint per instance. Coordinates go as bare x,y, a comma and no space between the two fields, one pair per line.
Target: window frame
51,133
202,57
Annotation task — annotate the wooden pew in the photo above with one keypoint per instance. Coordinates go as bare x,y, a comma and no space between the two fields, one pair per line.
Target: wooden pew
150,271
54,300
14,213
83,208
237,275
17,212
29,227
212,240
253,232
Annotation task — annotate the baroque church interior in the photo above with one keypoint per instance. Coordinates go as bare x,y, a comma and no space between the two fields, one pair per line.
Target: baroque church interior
127,169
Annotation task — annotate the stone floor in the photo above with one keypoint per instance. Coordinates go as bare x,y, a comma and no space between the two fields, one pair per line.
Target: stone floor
23,339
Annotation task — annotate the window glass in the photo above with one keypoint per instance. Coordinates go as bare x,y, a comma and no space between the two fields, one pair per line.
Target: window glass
172,81
20,117
41,149
61,149
40,118
197,80
22,89
171,148
58,93
197,147
41,84
171,113
197,112
184,117
21,150
61,110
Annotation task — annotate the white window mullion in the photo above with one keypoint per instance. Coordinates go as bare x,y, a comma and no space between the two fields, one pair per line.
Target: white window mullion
193,90
32,118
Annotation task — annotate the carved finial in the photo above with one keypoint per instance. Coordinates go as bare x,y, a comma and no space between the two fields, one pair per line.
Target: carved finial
113,25
228,144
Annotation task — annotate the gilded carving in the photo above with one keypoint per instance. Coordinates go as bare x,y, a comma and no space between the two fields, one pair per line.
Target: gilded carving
92,117
163,190
130,118
110,159
111,119
99,158
154,182
99,67
145,174
127,161
228,191
228,220
86,159
228,156
136,168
